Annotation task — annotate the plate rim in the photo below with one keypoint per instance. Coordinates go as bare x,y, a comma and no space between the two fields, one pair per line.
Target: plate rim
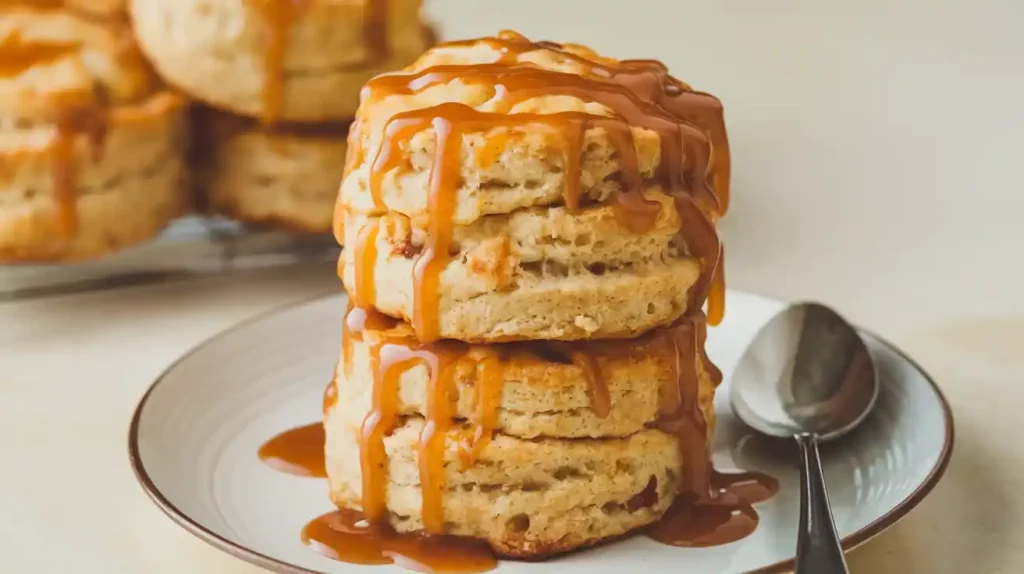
851,541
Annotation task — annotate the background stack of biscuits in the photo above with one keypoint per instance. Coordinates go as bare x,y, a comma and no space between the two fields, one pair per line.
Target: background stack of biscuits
557,350
275,83
91,145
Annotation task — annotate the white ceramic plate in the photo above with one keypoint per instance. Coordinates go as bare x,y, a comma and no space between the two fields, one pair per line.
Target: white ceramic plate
194,438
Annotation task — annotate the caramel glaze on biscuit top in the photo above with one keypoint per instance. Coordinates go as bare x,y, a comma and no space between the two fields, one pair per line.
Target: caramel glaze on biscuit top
280,15
694,149
395,350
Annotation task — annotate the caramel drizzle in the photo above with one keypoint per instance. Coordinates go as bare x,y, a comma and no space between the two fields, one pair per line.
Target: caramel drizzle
90,120
716,294
330,395
365,292
44,4
280,17
712,508
379,423
597,387
18,55
450,121
685,167
685,149
686,158
392,360
491,378
391,356
680,412
649,80
375,29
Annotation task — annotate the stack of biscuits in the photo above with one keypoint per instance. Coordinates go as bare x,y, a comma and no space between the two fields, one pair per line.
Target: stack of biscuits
530,245
91,145
280,80
96,154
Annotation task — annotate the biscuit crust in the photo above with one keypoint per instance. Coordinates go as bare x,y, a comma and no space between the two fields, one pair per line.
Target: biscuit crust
217,52
285,176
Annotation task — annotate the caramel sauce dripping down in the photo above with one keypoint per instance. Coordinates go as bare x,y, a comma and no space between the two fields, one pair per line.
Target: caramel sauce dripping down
686,151
584,359
44,4
650,81
375,29
18,55
712,508
298,451
330,395
694,170
347,536
449,121
378,424
716,294
391,357
280,17
490,380
365,291
91,121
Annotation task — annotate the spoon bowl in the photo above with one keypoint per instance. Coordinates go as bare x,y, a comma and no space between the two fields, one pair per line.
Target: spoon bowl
806,371
808,375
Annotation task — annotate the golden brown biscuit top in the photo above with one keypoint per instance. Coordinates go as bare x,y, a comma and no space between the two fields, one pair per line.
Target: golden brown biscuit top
509,82
479,103
51,59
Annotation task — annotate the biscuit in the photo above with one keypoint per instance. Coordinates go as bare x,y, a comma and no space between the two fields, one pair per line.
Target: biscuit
274,59
544,274
556,473
91,153
518,104
595,389
501,190
526,498
285,176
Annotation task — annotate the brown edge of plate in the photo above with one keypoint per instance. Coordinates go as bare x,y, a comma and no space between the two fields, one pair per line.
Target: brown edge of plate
274,565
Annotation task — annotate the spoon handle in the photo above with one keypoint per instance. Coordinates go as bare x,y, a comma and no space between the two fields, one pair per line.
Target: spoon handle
817,549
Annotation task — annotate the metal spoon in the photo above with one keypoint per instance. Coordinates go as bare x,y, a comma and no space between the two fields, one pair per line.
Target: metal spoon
808,375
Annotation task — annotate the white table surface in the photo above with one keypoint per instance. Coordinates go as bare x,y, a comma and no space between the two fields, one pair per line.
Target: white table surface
876,168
